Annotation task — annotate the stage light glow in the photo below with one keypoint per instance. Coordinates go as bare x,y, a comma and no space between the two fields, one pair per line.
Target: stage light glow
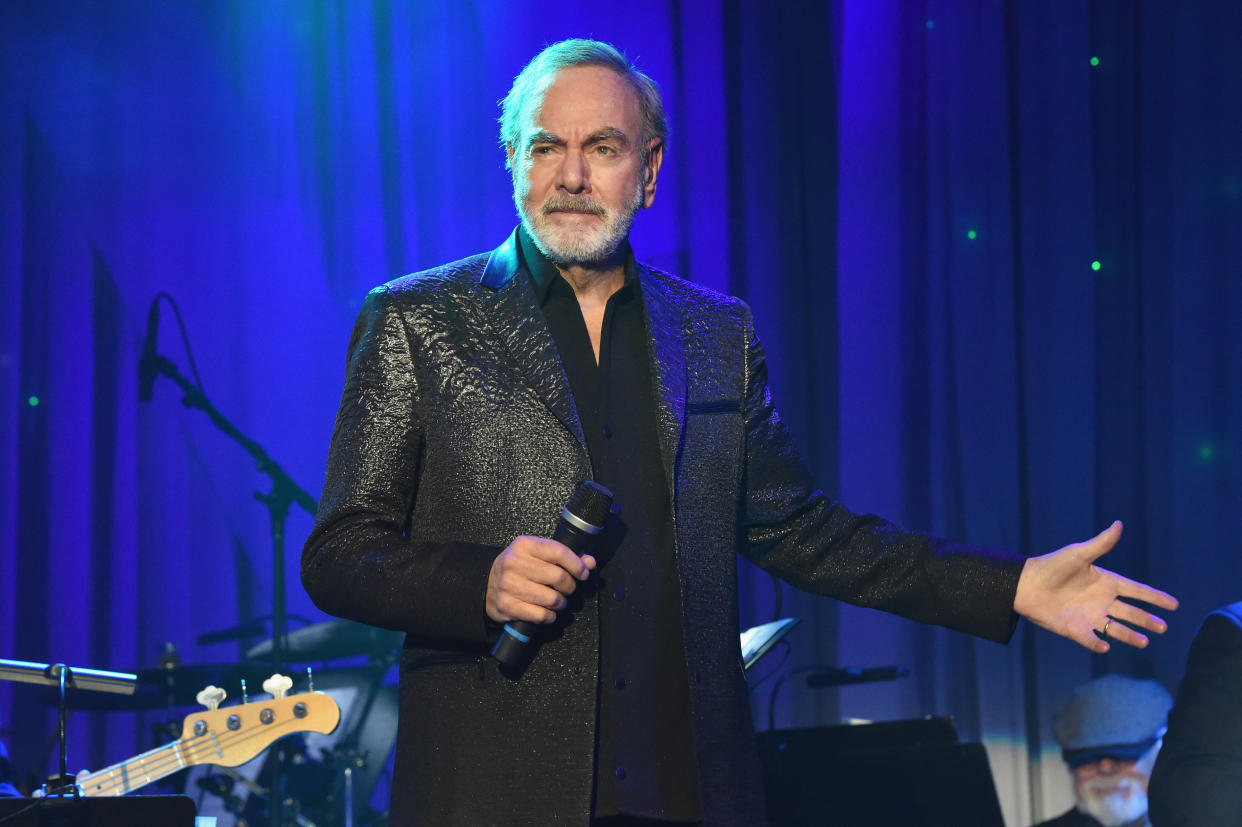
1095,265
931,24
1207,451
33,401
1095,61
972,235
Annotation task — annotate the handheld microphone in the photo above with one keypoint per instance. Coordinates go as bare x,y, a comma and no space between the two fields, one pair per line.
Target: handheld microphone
147,363
582,519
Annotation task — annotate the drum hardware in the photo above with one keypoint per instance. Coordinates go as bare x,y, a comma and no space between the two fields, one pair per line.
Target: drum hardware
242,631
331,640
349,760
216,785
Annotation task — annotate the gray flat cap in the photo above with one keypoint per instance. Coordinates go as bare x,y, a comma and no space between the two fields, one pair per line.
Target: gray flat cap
1113,716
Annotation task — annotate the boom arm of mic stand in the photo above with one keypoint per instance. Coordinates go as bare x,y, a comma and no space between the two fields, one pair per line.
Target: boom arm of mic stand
283,486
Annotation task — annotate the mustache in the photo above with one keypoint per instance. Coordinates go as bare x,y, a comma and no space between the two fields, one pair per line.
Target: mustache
1098,785
569,203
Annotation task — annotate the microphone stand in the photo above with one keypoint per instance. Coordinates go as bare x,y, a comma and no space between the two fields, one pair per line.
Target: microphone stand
284,493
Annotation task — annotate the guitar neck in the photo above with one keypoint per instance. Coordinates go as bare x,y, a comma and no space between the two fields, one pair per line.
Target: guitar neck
135,772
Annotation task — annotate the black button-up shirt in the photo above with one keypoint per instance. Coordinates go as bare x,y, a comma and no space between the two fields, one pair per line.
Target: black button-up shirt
645,760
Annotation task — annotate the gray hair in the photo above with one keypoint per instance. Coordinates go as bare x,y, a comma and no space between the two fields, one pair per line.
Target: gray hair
533,81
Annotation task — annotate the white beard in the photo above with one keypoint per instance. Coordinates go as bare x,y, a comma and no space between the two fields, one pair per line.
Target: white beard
583,247
1115,808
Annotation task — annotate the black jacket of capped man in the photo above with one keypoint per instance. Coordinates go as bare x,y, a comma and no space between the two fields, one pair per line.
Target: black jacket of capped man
1197,781
457,432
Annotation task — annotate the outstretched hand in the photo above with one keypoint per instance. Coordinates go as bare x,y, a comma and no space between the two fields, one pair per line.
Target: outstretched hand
1064,592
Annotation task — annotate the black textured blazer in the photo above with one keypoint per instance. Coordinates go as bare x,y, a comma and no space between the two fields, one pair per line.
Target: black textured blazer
457,432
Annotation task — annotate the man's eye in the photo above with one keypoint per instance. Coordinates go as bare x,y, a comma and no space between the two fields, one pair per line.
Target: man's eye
604,149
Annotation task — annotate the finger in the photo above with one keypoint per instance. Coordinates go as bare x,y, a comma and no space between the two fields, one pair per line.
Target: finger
1122,633
1133,590
506,605
558,554
1102,543
547,562
1135,616
517,610
521,590
523,574
1090,640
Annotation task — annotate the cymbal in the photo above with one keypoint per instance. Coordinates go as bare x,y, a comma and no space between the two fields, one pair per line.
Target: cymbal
172,686
331,640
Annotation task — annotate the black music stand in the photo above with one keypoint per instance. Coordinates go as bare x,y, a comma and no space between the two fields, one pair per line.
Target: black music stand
121,811
909,773
63,677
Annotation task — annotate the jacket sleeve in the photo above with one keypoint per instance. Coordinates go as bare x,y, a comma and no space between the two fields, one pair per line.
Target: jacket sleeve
1198,775
817,545
359,562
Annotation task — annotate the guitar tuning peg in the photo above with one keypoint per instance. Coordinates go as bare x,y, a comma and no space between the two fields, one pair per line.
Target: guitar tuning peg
277,685
211,696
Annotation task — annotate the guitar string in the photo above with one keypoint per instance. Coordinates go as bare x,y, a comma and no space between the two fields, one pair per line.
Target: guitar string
117,777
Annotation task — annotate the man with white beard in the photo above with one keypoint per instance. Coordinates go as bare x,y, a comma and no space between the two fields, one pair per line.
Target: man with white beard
1110,733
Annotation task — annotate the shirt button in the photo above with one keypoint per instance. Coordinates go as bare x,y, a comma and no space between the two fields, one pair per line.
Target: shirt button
607,432
619,594
621,773
620,682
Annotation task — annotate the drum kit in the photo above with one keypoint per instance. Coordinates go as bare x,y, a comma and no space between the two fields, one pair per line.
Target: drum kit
326,778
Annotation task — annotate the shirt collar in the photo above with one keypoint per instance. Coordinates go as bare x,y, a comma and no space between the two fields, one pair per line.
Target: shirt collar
543,273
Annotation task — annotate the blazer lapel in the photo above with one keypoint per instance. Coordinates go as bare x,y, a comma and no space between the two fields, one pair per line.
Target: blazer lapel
519,325
669,359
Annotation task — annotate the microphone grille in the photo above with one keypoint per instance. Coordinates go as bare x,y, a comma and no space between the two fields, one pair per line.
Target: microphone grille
590,503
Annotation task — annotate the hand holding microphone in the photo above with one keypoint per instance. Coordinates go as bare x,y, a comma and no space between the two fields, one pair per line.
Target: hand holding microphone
531,580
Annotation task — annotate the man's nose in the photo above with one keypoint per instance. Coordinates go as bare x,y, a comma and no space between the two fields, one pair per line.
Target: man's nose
1107,766
575,175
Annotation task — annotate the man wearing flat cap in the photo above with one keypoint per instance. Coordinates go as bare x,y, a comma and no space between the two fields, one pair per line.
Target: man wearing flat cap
1110,732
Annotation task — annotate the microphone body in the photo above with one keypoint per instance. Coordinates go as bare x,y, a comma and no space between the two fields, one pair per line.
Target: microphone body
582,520
147,363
